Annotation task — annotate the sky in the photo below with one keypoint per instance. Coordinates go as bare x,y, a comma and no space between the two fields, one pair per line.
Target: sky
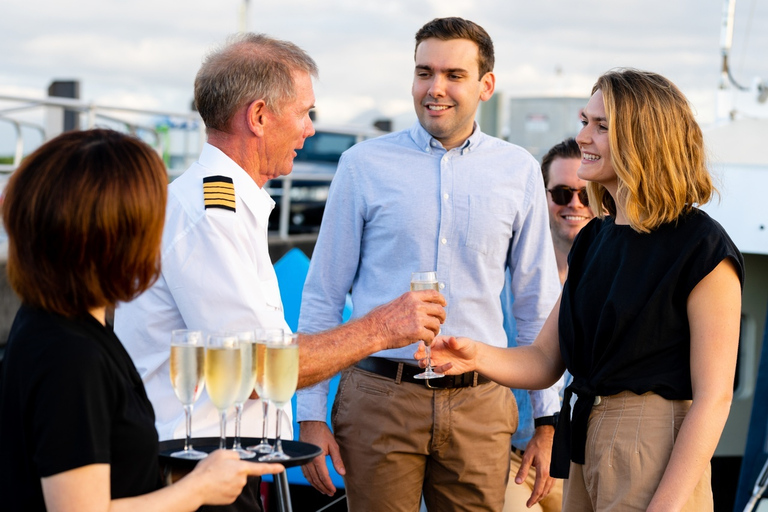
145,53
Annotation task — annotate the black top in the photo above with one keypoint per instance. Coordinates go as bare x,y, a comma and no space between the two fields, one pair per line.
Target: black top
70,396
623,320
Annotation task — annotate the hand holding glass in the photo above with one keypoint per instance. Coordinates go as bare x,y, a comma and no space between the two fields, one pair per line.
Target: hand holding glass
187,363
426,281
222,375
281,372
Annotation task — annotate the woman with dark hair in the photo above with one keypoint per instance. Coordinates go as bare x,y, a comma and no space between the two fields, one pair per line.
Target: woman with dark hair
84,215
648,320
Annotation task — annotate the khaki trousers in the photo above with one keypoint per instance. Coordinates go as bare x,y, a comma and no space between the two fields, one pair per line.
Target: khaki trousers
517,495
629,442
399,440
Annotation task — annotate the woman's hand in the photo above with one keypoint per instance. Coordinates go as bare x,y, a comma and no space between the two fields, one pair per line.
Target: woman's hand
216,480
220,477
450,355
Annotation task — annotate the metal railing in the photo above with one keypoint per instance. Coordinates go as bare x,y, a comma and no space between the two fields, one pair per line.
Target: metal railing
285,199
92,113
89,114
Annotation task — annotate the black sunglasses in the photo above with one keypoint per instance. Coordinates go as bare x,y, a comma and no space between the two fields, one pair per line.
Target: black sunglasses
562,195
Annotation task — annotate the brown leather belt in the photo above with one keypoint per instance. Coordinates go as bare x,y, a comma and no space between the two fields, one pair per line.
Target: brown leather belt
401,372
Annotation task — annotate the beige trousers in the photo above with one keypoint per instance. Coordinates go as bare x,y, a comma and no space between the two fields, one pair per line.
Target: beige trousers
399,440
518,495
629,442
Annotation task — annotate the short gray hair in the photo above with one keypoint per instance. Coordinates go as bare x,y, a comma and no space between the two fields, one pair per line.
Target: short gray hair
246,68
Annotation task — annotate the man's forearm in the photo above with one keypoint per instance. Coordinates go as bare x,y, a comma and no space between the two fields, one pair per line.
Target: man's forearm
409,318
326,353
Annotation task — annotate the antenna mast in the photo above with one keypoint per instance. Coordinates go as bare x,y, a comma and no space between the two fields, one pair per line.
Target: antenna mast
244,16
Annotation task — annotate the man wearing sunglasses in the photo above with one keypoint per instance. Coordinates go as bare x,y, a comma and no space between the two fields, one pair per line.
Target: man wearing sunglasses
568,213
566,197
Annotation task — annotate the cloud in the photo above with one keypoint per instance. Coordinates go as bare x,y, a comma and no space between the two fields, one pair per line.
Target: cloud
148,52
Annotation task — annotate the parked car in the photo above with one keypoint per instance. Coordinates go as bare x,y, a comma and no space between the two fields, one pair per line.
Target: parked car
313,170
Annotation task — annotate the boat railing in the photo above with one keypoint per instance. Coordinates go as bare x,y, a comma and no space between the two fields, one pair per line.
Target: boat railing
138,121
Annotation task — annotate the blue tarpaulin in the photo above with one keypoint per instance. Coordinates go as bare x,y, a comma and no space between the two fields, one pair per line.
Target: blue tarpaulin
291,272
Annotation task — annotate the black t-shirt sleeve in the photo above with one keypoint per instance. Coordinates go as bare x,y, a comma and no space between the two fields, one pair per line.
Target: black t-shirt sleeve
713,245
71,409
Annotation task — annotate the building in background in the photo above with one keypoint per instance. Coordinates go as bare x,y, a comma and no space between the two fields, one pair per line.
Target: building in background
537,124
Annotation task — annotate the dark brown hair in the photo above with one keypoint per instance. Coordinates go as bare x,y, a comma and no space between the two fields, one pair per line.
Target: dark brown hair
459,28
84,215
568,148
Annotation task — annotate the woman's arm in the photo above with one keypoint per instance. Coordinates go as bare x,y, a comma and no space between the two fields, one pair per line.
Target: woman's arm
536,366
714,313
216,480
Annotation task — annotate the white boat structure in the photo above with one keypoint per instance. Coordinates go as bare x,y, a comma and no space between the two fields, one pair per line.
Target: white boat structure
739,159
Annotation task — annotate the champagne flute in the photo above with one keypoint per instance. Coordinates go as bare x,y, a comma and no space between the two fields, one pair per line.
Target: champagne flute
248,378
187,361
222,375
281,377
263,336
426,281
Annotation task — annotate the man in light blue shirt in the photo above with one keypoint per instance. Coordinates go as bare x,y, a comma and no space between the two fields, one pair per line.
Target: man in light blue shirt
439,196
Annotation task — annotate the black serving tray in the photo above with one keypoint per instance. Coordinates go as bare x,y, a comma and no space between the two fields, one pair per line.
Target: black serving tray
299,453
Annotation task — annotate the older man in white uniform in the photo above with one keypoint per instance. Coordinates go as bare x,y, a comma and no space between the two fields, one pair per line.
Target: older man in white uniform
254,95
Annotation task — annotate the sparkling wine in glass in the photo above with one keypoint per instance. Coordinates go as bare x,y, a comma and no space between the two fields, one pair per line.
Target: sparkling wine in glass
426,280
263,336
223,374
247,341
187,365
281,373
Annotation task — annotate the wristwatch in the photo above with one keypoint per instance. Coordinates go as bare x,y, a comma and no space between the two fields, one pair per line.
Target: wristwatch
546,420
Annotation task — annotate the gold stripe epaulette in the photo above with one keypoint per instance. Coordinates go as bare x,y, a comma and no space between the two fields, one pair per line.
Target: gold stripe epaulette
219,192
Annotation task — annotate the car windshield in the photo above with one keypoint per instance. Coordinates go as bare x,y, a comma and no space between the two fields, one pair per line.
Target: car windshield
325,147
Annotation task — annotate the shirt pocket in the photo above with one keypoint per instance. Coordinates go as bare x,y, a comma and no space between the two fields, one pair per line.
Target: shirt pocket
271,293
489,227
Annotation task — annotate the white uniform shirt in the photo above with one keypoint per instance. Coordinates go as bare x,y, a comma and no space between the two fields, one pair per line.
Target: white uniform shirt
217,275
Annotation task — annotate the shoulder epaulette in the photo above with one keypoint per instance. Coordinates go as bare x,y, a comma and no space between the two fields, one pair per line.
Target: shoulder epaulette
219,192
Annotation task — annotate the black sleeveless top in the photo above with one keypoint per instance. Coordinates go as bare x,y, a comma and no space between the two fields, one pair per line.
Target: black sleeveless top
623,320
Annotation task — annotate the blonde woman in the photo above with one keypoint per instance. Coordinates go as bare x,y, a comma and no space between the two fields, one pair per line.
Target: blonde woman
648,320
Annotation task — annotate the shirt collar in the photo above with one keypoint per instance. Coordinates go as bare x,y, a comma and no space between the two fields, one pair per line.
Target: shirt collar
254,196
429,144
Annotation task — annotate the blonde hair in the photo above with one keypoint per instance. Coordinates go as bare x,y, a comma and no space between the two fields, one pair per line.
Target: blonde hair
657,150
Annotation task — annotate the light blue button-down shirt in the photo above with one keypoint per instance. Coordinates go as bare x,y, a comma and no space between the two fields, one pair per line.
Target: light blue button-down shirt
402,203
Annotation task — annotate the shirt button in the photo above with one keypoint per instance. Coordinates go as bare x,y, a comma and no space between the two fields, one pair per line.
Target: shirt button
441,285
445,196
444,241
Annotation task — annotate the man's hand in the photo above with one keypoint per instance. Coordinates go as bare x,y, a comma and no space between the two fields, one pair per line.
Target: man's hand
409,318
316,472
538,453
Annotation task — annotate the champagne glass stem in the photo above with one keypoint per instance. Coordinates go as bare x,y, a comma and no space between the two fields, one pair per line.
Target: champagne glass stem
263,447
278,443
223,428
264,438
188,426
428,350
278,451
238,420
